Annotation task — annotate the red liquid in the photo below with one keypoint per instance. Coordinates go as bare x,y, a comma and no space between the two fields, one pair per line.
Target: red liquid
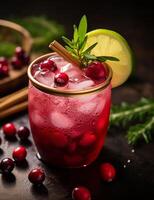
69,131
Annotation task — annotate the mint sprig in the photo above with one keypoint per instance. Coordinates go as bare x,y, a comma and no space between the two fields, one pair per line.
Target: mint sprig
76,46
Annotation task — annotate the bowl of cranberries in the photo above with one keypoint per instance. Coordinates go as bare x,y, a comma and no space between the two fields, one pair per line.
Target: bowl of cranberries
13,69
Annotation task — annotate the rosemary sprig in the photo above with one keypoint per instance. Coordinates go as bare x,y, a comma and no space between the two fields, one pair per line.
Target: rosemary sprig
140,131
142,112
76,46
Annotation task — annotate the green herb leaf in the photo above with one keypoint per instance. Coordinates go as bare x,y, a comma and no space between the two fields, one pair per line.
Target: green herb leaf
67,41
75,35
88,50
104,58
82,29
82,45
90,57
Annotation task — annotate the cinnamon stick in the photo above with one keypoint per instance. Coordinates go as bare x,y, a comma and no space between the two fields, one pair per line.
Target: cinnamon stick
13,99
14,109
57,47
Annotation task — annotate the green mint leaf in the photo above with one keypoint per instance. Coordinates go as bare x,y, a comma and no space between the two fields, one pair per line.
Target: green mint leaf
75,35
68,42
104,58
82,29
88,50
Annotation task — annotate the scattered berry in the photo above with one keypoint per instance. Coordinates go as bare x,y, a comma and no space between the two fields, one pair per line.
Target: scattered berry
96,71
36,176
48,65
3,61
107,171
19,52
19,154
9,129
81,193
26,59
23,132
7,165
16,62
4,70
61,79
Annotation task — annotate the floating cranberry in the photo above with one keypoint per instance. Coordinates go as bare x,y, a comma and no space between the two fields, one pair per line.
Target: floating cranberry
9,129
58,139
81,193
23,132
3,61
96,71
16,62
36,176
61,79
4,70
19,52
107,171
87,140
6,165
19,154
48,65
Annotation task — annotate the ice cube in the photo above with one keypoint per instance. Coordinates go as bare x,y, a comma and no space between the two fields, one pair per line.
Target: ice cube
81,85
37,118
61,120
100,105
45,77
87,108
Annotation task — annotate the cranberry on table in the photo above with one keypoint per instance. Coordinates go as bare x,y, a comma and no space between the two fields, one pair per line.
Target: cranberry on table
9,129
81,193
61,79
19,154
96,71
107,171
36,176
48,65
23,132
4,70
6,165
16,63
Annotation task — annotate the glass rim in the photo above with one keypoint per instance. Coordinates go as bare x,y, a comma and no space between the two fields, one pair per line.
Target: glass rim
49,90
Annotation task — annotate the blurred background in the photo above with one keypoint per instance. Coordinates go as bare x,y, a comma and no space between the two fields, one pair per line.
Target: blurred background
132,19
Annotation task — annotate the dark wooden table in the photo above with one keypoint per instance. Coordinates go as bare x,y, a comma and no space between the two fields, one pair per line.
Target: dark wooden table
136,179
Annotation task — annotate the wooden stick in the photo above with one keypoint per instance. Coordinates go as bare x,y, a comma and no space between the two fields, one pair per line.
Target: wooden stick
13,99
55,46
14,109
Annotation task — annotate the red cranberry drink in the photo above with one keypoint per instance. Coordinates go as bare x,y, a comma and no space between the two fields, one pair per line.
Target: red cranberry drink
68,130
70,96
